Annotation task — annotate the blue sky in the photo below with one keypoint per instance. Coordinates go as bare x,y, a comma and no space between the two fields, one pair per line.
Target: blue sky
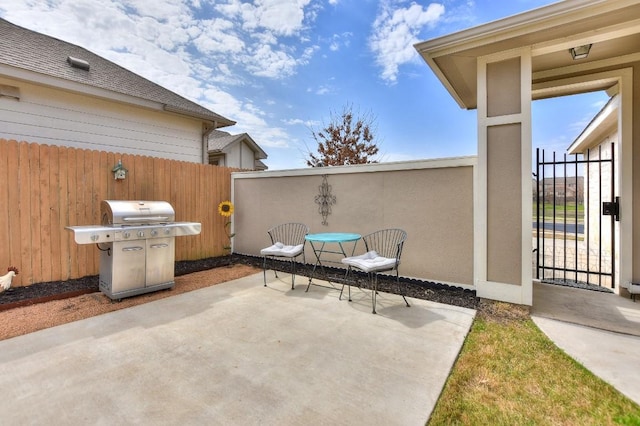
281,67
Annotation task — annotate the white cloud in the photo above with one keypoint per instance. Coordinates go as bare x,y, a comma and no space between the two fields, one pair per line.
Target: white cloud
396,30
217,36
301,122
282,17
340,40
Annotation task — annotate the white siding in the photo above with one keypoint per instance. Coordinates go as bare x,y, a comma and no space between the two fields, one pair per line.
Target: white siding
247,157
240,155
55,117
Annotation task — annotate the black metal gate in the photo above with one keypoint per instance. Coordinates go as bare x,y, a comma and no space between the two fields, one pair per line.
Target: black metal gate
575,214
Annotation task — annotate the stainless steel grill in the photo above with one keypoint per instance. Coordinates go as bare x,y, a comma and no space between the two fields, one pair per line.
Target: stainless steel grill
137,245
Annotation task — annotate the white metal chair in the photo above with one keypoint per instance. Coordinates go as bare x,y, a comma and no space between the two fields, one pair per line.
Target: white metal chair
383,250
287,242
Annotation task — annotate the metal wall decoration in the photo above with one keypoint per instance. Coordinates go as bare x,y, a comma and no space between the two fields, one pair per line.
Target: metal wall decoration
325,200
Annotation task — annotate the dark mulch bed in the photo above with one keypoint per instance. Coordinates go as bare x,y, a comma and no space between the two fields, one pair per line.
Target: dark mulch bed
419,289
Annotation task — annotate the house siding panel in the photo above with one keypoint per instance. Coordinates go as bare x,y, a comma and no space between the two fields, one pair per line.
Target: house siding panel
56,117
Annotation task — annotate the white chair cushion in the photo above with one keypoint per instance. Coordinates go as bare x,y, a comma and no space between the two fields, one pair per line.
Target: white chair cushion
633,288
279,249
370,262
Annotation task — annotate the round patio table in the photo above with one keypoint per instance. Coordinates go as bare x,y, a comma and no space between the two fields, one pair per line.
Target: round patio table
319,245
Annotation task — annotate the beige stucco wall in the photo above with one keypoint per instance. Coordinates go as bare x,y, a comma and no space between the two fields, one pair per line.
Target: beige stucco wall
431,200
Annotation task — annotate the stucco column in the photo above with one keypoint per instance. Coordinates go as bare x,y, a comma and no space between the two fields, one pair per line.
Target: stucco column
504,197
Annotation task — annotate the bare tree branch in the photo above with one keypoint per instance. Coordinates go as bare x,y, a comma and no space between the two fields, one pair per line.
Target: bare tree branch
348,139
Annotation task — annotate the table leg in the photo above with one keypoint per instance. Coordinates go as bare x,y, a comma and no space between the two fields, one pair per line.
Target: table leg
317,254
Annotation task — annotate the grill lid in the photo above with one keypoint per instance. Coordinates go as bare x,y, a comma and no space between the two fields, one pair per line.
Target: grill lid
121,212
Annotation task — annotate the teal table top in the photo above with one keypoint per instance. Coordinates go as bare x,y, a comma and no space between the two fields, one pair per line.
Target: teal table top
333,237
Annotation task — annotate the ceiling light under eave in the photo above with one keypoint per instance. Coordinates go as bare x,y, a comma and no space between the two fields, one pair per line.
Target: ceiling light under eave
580,52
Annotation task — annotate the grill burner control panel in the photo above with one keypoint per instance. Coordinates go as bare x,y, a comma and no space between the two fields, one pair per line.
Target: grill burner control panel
137,233
92,234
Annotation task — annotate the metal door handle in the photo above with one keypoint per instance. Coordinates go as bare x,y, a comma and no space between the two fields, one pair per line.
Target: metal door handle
132,249
159,245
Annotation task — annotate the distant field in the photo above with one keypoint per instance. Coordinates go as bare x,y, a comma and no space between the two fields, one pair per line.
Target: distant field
562,211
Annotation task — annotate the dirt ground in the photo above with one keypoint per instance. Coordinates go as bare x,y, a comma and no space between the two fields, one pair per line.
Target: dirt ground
27,319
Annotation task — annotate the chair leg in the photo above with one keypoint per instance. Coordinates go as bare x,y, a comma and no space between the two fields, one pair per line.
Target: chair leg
402,292
293,273
346,277
264,270
374,290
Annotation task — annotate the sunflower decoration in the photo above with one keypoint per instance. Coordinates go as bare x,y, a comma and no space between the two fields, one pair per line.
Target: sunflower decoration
225,209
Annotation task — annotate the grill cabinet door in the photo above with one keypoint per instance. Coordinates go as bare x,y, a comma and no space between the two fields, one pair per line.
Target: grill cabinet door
128,259
160,260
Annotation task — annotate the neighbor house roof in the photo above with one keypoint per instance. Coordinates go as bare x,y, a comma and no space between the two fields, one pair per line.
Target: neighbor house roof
602,125
219,140
47,56
611,26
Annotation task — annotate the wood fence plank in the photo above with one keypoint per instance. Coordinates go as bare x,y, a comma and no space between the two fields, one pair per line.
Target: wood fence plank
139,183
148,178
105,177
72,202
35,243
129,184
66,237
45,162
13,208
191,187
81,213
24,169
208,211
54,214
6,168
98,176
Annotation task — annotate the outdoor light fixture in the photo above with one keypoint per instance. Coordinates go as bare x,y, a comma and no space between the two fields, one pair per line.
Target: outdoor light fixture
580,52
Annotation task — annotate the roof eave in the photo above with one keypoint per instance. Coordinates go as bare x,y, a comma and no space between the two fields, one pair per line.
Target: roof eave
255,147
213,117
605,119
484,35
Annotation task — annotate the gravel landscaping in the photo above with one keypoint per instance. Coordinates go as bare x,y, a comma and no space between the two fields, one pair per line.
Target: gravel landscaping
420,289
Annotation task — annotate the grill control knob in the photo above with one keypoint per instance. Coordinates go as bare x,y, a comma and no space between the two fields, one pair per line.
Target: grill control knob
154,232
141,234
126,234
167,231
94,237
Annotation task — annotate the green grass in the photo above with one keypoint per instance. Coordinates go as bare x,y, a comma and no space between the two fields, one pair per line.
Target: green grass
510,373
561,211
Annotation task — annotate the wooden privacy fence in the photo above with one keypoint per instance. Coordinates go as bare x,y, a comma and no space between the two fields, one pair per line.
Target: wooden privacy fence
45,188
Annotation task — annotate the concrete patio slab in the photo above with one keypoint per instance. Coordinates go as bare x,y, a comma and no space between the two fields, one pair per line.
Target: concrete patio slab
238,353
599,330
609,355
